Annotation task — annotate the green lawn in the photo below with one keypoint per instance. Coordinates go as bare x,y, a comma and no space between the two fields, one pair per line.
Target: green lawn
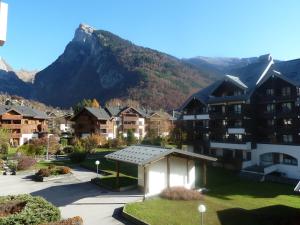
128,172
110,166
45,164
230,201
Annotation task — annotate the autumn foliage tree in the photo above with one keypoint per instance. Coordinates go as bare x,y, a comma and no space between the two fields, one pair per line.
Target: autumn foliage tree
85,103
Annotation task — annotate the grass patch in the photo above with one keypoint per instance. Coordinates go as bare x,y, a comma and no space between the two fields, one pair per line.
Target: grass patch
110,182
105,149
46,164
230,201
109,166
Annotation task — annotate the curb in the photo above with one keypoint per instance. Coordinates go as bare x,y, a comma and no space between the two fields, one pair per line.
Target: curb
133,219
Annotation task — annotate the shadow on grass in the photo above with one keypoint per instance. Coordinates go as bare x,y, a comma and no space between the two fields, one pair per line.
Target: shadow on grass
271,215
113,183
223,183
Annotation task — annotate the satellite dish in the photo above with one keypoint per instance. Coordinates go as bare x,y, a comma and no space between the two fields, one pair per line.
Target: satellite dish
3,22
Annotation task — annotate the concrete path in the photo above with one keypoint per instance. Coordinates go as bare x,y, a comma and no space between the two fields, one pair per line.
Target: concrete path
75,196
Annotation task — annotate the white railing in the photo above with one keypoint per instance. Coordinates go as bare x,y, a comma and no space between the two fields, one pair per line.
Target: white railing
196,117
246,146
236,130
297,188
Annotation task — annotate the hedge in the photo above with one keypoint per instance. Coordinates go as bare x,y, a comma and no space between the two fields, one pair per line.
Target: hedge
36,211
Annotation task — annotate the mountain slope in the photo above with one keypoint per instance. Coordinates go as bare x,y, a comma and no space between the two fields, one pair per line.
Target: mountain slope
11,83
220,65
99,64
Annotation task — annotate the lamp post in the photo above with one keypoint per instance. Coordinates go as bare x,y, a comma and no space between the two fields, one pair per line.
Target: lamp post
48,143
202,210
97,164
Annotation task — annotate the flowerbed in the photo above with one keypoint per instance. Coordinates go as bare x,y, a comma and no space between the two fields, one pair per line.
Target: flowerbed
52,171
27,210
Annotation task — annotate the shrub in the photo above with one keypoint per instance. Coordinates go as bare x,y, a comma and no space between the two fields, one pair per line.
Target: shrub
44,172
25,162
1,164
68,149
32,149
64,170
64,142
77,157
116,143
36,211
77,220
4,147
12,165
180,193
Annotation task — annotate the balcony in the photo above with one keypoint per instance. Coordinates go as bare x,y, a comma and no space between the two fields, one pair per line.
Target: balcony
130,118
236,130
130,126
196,117
11,126
231,144
11,117
15,135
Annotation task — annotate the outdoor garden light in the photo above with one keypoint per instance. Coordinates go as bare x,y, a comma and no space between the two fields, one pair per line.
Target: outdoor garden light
97,164
202,210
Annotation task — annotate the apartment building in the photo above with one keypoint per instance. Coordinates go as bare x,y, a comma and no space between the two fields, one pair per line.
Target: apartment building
128,118
159,123
24,123
249,120
93,121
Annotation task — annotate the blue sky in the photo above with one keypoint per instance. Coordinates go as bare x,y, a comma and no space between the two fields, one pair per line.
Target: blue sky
38,31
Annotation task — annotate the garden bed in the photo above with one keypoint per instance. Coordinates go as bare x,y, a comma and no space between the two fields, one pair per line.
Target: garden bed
52,173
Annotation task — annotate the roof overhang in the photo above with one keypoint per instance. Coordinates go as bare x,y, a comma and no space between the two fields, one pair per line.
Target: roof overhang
141,155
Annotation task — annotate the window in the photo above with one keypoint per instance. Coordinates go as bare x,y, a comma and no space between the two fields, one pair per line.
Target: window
238,137
270,91
287,121
237,93
238,123
237,109
286,107
248,156
205,123
141,123
224,122
286,91
287,138
270,108
298,91
289,160
270,122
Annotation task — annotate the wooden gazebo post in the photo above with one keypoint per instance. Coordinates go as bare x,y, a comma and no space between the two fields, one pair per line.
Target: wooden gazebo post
118,174
203,170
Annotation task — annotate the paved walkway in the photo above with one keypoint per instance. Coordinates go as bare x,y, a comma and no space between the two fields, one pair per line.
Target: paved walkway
75,196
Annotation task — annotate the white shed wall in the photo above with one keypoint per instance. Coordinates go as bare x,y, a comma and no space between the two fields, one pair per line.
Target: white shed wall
180,171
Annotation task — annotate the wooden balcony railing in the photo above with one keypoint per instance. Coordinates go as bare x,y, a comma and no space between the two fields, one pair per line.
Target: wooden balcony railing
11,117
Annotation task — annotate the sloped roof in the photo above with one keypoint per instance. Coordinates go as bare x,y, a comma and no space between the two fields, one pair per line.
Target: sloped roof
116,110
142,155
99,113
236,81
249,77
24,110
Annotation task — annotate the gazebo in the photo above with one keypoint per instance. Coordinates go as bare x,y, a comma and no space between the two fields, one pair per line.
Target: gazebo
160,168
